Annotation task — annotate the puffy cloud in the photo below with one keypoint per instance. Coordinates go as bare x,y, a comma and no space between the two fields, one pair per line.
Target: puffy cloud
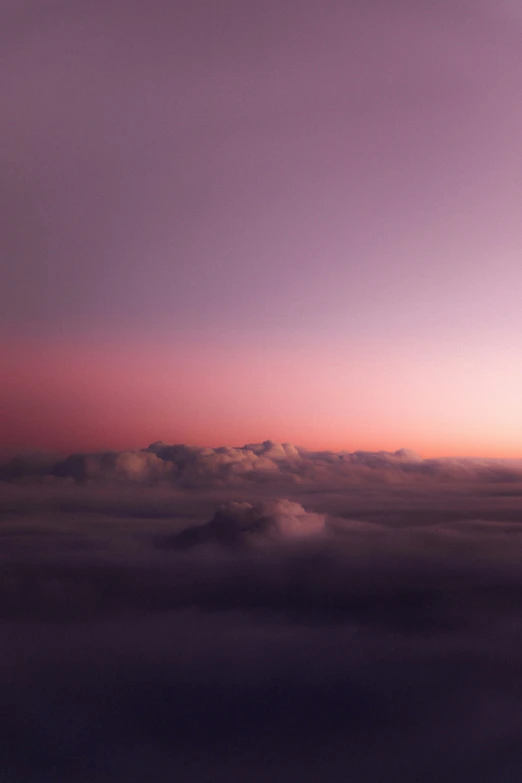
262,463
127,466
235,523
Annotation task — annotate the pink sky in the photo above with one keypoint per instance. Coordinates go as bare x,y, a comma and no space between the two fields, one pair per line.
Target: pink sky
356,395
291,220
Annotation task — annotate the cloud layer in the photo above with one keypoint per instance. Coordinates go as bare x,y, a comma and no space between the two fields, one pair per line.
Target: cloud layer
267,462
363,632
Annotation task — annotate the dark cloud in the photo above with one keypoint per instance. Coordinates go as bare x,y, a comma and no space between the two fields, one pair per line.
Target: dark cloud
243,523
366,632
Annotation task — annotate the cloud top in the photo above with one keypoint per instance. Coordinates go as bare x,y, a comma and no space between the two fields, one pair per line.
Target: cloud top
243,523
267,462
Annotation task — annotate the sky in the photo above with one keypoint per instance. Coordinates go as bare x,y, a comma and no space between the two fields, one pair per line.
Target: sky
226,222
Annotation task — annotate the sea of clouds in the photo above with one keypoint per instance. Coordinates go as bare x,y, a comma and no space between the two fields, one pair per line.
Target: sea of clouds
258,613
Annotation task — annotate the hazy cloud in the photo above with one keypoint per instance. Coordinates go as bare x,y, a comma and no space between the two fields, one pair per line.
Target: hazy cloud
223,631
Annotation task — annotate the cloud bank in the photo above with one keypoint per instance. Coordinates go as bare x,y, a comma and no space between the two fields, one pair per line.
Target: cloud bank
269,462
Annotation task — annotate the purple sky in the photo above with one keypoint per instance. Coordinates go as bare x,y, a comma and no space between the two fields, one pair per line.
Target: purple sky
266,176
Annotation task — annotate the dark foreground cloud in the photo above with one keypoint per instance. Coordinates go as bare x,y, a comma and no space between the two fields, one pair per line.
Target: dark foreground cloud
266,463
242,523
366,632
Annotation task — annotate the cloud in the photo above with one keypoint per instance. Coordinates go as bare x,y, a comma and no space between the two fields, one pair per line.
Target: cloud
258,463
235,523
129,466
316,637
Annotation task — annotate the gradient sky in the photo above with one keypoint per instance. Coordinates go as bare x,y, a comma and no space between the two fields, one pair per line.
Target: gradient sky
291,219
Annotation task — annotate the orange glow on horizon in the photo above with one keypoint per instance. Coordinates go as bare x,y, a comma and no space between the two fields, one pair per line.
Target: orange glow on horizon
69,397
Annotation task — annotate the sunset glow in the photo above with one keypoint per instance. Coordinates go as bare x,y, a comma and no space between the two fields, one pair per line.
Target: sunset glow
440,400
